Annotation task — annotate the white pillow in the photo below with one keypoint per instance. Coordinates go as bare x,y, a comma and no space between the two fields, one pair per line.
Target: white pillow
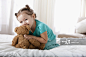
81,27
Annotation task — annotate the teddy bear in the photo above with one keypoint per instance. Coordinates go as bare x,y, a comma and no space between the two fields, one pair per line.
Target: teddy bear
20,42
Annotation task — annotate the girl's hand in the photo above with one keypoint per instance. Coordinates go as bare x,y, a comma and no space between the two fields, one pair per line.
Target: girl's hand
28,37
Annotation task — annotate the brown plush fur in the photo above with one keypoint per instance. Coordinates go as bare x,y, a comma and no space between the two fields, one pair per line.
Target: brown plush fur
20,42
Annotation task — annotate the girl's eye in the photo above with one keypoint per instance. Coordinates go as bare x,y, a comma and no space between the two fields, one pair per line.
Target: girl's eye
21,22
25,19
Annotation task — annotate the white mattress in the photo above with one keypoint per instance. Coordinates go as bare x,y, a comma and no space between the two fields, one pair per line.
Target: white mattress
64,50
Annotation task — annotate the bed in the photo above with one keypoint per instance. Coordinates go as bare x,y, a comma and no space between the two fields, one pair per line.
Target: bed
63,50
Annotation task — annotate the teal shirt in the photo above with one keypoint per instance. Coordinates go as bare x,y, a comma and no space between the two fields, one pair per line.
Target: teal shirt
40,28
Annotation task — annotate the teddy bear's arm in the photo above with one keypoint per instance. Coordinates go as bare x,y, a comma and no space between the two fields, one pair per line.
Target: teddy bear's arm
34,42
41,46
15,40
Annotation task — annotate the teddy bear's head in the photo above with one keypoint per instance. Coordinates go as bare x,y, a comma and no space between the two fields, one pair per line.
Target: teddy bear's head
22,29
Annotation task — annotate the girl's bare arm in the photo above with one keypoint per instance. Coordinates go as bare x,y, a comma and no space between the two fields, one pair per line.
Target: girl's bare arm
42,39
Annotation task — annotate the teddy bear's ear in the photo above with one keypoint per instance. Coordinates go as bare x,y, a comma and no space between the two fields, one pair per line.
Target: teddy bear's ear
16,29
28,27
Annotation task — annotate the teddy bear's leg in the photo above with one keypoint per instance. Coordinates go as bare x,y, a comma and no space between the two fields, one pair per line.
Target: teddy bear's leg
32,47
24,44
18,46
34,42
24,47
15,41
41,46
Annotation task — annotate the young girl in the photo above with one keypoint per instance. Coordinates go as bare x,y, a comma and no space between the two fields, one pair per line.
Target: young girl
39,30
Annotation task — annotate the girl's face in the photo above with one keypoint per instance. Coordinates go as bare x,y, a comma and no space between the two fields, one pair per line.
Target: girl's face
26,19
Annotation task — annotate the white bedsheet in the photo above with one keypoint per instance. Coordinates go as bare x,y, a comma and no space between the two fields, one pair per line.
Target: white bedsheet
65,50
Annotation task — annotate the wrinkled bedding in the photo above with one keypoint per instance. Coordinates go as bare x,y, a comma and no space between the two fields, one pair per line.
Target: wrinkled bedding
64,50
